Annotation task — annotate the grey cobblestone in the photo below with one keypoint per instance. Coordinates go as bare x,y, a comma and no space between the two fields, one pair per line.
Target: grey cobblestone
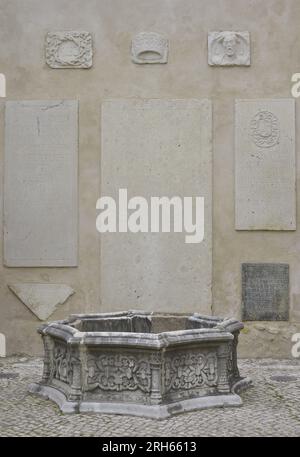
271,408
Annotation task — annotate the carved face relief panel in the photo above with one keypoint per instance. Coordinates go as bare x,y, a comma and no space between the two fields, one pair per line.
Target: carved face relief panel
264,129
229,48
149,47
69,49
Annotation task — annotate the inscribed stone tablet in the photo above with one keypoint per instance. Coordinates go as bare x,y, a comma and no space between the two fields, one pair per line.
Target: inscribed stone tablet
40,191
265,291
265,165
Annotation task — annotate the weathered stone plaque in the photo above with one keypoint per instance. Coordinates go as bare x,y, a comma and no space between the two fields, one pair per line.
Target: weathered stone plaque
265,291
40,190
149,47
265,180
156,148
228,48
69,49
42,299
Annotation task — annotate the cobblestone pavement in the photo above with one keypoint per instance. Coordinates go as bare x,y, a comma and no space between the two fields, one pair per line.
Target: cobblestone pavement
271,408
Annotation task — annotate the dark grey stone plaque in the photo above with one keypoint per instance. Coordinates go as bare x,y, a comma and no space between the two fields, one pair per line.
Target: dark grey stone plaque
265,291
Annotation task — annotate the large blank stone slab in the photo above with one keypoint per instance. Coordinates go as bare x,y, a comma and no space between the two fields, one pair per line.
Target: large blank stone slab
265,165
42,299
265,291
157,148
40,191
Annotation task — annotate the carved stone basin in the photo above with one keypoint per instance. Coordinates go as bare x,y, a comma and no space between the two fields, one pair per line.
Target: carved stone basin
140,363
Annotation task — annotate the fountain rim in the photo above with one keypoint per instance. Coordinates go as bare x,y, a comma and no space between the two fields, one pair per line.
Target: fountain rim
222,330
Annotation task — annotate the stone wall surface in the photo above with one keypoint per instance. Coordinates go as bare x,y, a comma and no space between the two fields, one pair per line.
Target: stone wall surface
110,73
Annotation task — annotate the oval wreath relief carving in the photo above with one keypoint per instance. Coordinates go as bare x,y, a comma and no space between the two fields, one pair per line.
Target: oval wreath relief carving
264,129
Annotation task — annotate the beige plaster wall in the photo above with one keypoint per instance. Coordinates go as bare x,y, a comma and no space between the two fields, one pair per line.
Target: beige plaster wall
275,55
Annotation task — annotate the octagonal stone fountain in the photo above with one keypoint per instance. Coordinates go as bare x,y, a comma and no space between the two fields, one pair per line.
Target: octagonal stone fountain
140,363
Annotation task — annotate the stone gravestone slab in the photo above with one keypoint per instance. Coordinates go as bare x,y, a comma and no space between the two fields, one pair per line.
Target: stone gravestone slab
265,291
265,180
156,148
40,190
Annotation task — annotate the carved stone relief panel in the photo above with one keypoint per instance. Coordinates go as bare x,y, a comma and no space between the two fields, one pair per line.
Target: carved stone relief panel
118,372
229,48
265,129
149,47
69,49
190,371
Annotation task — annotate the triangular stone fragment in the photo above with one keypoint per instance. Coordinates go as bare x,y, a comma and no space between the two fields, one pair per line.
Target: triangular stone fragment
42,299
